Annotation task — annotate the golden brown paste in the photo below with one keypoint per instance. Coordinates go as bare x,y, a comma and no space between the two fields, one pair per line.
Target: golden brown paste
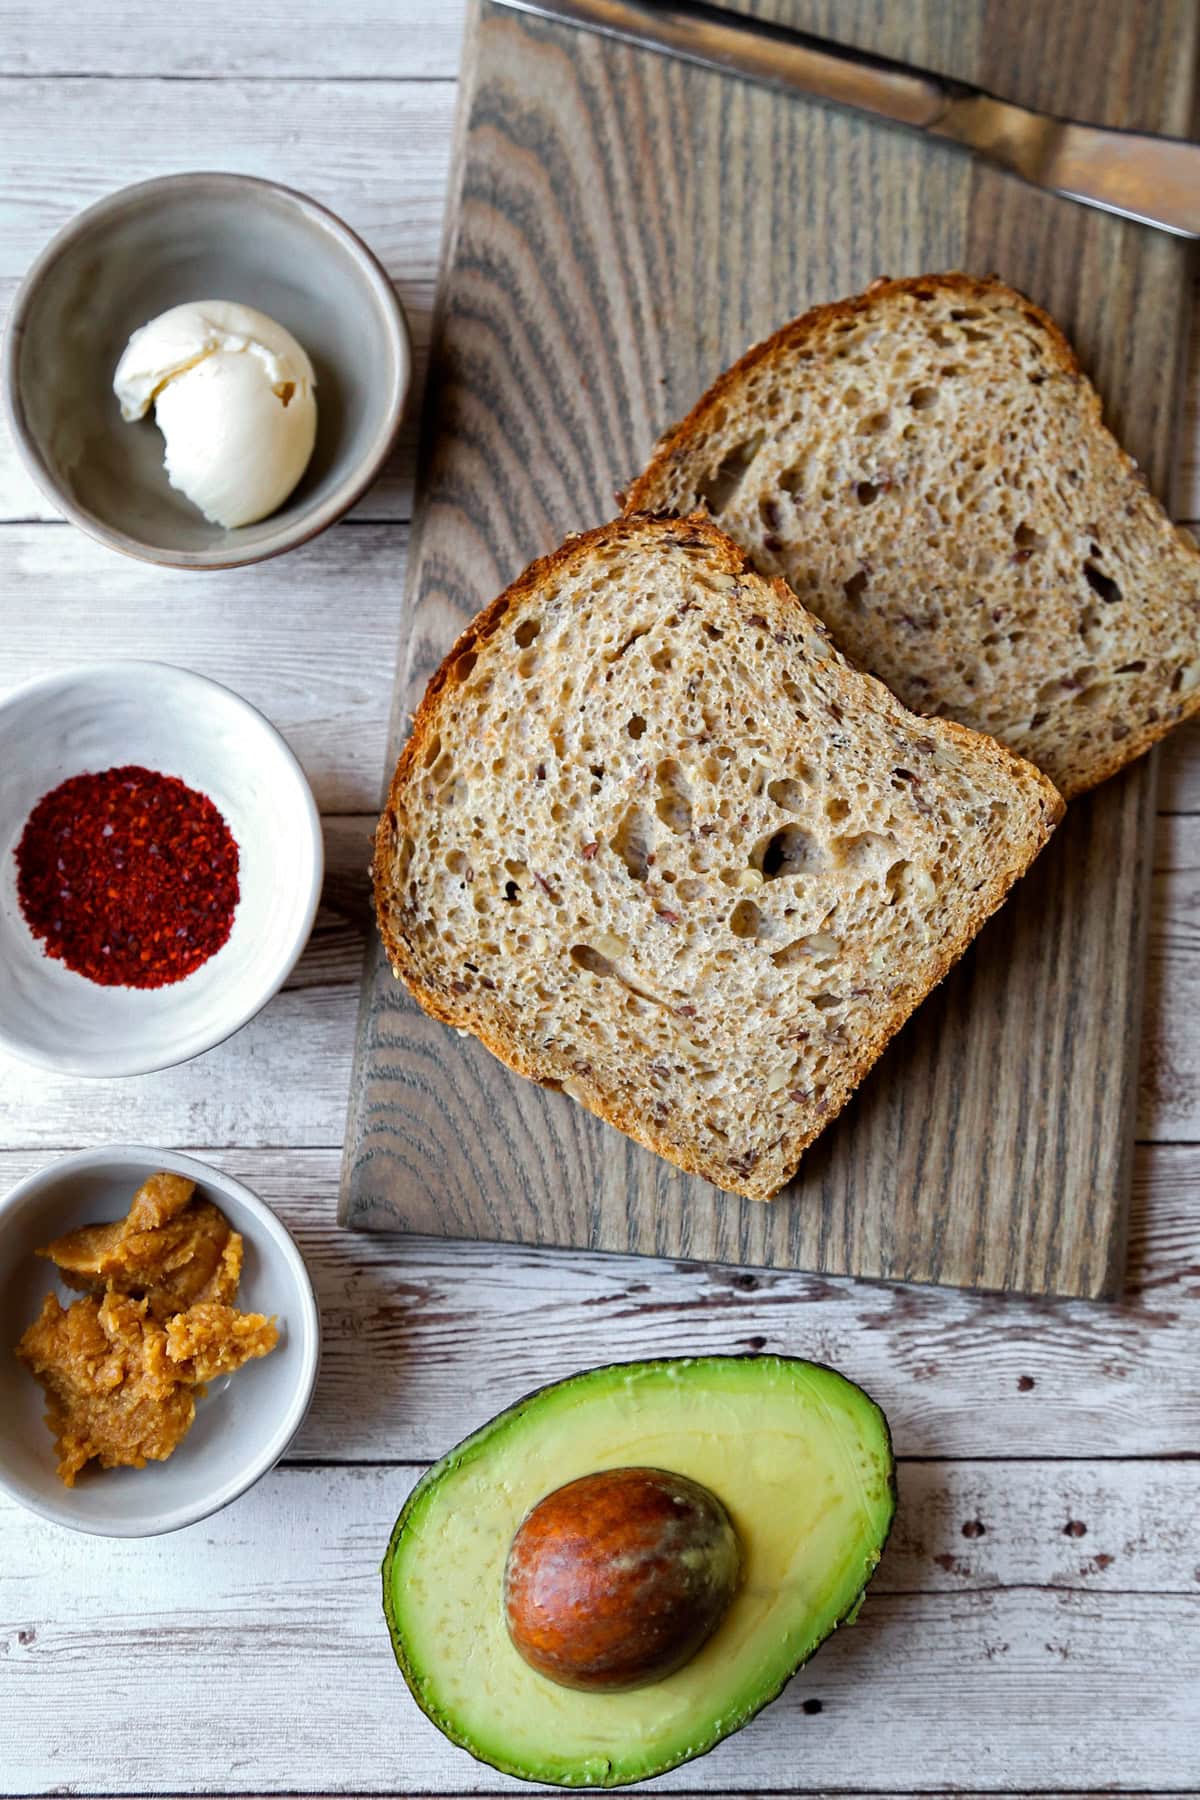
122,1366
171,1250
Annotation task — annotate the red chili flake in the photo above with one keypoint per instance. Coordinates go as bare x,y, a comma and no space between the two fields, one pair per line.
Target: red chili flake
588,851
129,877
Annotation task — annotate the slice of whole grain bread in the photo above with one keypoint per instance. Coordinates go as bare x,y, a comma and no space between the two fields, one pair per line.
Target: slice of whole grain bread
656,843
927,466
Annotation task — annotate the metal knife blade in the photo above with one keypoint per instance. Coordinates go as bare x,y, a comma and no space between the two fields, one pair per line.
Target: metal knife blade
1155,180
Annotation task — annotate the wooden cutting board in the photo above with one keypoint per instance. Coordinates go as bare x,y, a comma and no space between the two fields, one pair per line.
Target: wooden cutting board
621,226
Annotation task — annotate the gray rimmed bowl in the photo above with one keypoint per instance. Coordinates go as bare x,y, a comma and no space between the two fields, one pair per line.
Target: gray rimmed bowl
199,237
244,1422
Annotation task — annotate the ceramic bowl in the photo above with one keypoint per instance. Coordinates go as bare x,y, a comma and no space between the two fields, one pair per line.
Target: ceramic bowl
199,237
176,723
245,1421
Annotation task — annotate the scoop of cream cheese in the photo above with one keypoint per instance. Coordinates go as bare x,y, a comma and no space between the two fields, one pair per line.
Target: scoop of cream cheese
234,397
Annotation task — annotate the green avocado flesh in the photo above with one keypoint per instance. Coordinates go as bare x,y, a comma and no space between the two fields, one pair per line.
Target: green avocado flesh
801,1459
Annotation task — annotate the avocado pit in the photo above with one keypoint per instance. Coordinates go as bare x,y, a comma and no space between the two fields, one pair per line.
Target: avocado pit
615,1580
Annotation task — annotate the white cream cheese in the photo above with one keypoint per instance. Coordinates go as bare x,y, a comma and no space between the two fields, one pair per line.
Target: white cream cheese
234,397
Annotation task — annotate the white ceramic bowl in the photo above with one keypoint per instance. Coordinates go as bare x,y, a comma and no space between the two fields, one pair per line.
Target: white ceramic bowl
245,1421
176,723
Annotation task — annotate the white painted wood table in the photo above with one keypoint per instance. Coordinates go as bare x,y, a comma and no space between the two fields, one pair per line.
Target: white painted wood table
1036,1622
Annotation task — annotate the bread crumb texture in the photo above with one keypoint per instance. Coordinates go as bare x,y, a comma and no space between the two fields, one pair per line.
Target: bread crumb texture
927,467
657,844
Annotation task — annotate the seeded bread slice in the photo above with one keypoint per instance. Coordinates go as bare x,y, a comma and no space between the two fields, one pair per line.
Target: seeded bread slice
926,465
656,843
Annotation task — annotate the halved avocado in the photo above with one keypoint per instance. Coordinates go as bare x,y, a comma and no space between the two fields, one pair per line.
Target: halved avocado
801,1459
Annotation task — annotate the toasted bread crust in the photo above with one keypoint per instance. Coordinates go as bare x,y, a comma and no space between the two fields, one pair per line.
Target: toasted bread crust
679,444
465,1012
639,497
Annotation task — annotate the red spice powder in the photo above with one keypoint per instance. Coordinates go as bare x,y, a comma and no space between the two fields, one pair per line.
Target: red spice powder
129,877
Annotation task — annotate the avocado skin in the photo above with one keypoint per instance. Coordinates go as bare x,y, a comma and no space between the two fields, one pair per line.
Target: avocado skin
448,1727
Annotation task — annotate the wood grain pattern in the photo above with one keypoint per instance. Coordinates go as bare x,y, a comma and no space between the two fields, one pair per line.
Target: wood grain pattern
425,1336
301,1044
294,132
425,1340
1179,771
283,1080
294,635
1129,1532
287,1584
1169,1105
145,111
958,1374
623,225
417,42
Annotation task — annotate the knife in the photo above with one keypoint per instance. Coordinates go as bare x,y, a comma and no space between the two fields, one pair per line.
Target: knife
1155,180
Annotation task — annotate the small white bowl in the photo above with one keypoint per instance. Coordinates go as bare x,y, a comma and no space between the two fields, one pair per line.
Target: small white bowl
243,1424
176,723
198,236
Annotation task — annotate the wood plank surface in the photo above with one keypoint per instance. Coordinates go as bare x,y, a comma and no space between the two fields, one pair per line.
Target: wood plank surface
425,1337
565,341
424,1340
141,110
1041,1689
293,132
981,1558
1179,771
961,1527
372,41
283,1079
293,635
288,1585
1170,1071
